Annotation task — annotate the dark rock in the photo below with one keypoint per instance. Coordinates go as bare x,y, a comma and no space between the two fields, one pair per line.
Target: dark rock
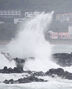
10,70
18,70
59,72
29,72
6,82
19,63
67,75
9,81
24,80
38,73
5,68
63,59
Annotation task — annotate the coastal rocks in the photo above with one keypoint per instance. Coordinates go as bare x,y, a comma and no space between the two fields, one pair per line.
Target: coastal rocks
63,59
60,73
38,76
19,63
24,80
10,70
38,73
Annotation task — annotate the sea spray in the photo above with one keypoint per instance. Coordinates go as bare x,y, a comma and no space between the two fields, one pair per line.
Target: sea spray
30,42
30,36
5,62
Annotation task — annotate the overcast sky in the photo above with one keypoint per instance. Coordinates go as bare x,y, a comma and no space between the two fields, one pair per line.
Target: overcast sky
59,6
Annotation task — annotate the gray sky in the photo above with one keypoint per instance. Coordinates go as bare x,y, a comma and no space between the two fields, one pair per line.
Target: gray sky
56,5
8,31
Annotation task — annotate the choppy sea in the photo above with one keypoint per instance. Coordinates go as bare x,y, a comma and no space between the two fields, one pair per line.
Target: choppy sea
51,84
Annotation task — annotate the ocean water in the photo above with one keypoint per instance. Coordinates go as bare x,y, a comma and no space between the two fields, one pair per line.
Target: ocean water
51,84
62,48
58,48
30,42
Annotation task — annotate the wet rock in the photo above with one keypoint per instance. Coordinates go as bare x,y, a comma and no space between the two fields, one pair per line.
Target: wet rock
67,75
19,63
38,73
9,81
24,80
63,59
59,72
10,70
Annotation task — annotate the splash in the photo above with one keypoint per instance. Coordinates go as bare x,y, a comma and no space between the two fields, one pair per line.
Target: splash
4,62
30,42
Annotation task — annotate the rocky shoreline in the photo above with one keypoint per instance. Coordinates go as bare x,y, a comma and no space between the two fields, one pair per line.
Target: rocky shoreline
24,80
63,59
60,73
34,76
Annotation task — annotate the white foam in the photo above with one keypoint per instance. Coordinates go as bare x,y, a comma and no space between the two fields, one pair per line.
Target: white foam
30,42
5,62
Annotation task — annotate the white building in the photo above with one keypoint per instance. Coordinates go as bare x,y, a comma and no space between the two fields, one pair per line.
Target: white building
70,29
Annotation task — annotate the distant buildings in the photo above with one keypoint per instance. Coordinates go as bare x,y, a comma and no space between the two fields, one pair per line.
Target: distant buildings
65,17
62,18
61,35
10,13
15,16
